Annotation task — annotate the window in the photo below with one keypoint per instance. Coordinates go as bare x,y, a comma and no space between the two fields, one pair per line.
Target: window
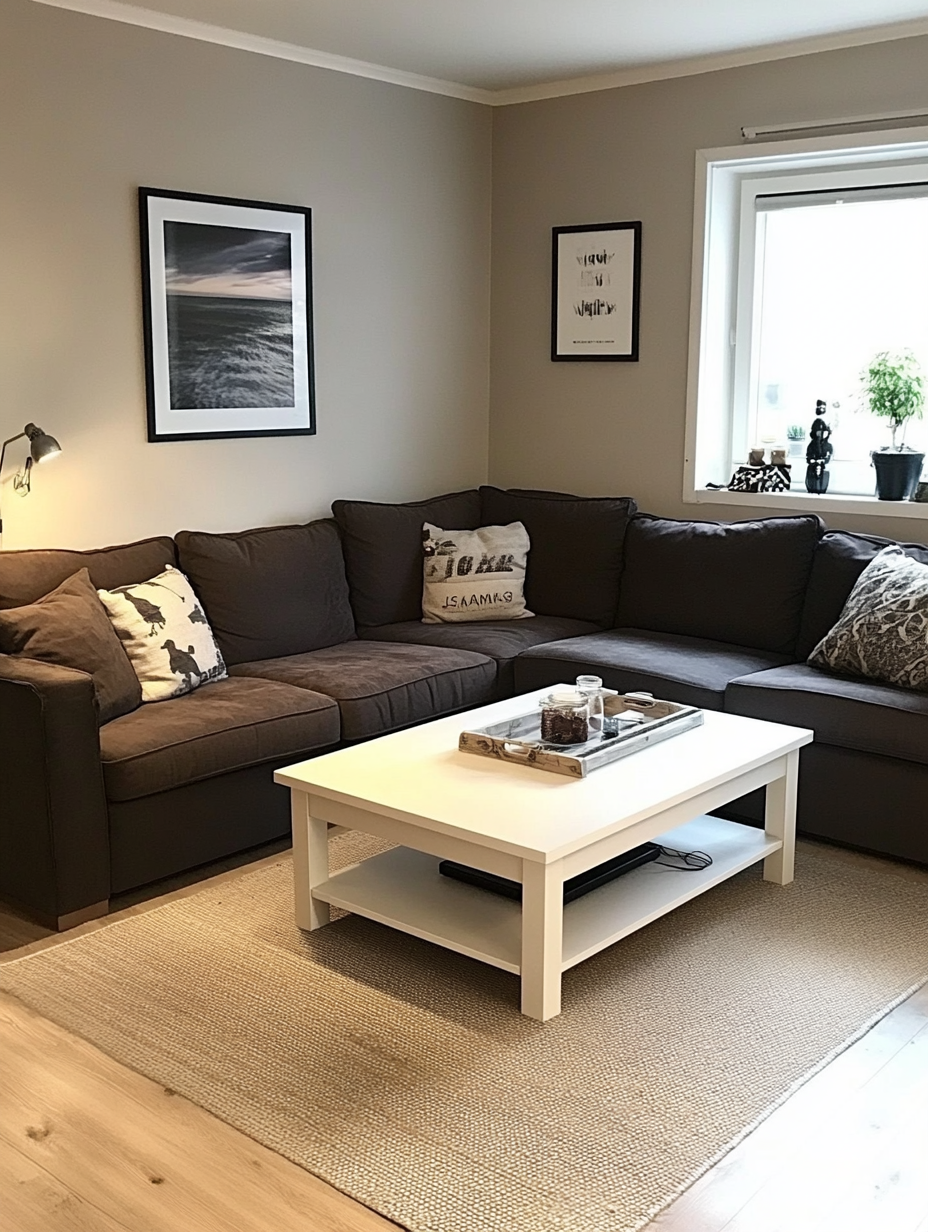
810,258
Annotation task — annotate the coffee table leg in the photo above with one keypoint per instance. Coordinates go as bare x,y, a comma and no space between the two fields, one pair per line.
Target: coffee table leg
310,862
780,821
542,938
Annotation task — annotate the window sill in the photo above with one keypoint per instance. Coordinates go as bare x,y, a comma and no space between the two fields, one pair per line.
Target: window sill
806,502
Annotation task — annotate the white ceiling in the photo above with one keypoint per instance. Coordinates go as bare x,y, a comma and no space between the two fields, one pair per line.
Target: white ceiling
496,45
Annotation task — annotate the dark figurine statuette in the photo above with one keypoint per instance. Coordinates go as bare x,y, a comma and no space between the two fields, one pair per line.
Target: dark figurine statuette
819,452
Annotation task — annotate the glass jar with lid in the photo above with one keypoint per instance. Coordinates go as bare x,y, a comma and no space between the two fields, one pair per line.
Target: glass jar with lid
565,717
592,689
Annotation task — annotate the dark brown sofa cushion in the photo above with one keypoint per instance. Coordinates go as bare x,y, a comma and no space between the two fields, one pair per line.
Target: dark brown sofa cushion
277,590
575,559
26,576
839,560
501,640
842,711
70,627
381,686
691,670
226,725
741,582
383,551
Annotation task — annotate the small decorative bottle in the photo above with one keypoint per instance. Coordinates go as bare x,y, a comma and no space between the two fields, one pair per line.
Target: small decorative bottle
592,689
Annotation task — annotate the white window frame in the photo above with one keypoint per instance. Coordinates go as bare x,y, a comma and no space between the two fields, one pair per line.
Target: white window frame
722,296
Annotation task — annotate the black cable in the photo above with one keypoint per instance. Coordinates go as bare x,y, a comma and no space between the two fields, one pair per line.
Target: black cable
689,861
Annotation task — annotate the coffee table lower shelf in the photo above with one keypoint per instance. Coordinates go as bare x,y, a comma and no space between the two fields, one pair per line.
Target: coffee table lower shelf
404,889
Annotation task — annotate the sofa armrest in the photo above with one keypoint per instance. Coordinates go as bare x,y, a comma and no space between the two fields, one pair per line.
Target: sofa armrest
54,840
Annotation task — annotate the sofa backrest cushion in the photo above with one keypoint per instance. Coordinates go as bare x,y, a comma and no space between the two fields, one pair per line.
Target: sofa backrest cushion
26,576
277,590
839,560
737,582
383,551
575,560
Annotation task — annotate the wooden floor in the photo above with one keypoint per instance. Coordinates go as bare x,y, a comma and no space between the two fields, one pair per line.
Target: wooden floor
87,1145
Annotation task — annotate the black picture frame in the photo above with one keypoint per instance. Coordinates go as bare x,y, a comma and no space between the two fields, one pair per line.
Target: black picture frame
227,316
596,292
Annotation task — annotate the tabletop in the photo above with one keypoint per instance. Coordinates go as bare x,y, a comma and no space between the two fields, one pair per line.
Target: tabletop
419,775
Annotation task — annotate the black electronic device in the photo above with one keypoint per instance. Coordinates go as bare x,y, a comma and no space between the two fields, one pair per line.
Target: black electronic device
574,887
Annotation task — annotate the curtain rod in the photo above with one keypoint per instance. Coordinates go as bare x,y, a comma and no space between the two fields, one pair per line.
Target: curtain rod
749,132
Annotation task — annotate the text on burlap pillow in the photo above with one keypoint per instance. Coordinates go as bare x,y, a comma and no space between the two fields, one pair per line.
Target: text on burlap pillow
474,574
165,634
882,633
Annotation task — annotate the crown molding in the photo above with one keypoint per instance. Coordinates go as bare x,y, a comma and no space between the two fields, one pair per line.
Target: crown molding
710,63
167,23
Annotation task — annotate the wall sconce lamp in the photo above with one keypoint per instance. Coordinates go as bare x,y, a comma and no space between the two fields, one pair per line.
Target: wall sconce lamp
41,448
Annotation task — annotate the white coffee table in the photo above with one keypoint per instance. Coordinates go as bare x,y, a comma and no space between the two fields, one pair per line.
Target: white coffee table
414,788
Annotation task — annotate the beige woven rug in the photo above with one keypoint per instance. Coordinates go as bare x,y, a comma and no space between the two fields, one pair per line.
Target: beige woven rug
404,1075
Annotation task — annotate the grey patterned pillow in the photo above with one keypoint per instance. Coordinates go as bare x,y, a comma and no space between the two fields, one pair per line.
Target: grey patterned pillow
882,633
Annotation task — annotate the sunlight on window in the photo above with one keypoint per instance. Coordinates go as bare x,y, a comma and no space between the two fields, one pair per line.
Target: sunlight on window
836,284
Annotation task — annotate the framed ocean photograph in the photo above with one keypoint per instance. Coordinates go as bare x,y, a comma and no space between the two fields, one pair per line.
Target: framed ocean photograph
227,314
596,289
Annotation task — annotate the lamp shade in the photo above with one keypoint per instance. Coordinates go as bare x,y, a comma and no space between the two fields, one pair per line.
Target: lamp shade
41,445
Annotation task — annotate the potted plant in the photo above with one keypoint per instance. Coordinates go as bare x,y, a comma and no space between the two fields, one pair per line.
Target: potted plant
796,435
894,389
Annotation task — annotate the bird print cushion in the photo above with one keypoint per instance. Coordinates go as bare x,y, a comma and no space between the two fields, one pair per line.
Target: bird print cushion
165,634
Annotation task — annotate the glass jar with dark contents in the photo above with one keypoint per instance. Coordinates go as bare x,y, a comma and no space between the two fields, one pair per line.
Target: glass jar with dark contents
565,718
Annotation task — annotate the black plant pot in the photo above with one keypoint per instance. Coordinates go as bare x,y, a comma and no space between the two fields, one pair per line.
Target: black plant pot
897,474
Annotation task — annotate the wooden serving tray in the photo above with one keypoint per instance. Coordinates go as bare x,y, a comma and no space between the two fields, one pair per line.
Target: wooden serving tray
519,740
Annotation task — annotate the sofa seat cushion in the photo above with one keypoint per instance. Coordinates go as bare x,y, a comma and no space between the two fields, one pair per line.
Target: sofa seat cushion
846,712
229,725
740,582
690,670
501,640
380,686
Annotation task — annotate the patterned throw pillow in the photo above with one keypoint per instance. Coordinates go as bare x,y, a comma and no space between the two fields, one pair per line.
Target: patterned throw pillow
69,627
474,574
882,633
165,634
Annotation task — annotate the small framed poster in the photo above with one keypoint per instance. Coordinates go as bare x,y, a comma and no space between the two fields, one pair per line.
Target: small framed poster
227,314
596,287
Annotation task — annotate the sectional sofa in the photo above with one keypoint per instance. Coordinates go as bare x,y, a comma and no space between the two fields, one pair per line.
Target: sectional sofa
319,627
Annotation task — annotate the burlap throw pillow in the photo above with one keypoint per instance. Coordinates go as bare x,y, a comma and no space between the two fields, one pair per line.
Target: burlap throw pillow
70,627
165,634
882,633
474,574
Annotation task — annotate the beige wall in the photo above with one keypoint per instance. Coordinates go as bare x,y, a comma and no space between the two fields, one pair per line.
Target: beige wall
629,154
399,184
